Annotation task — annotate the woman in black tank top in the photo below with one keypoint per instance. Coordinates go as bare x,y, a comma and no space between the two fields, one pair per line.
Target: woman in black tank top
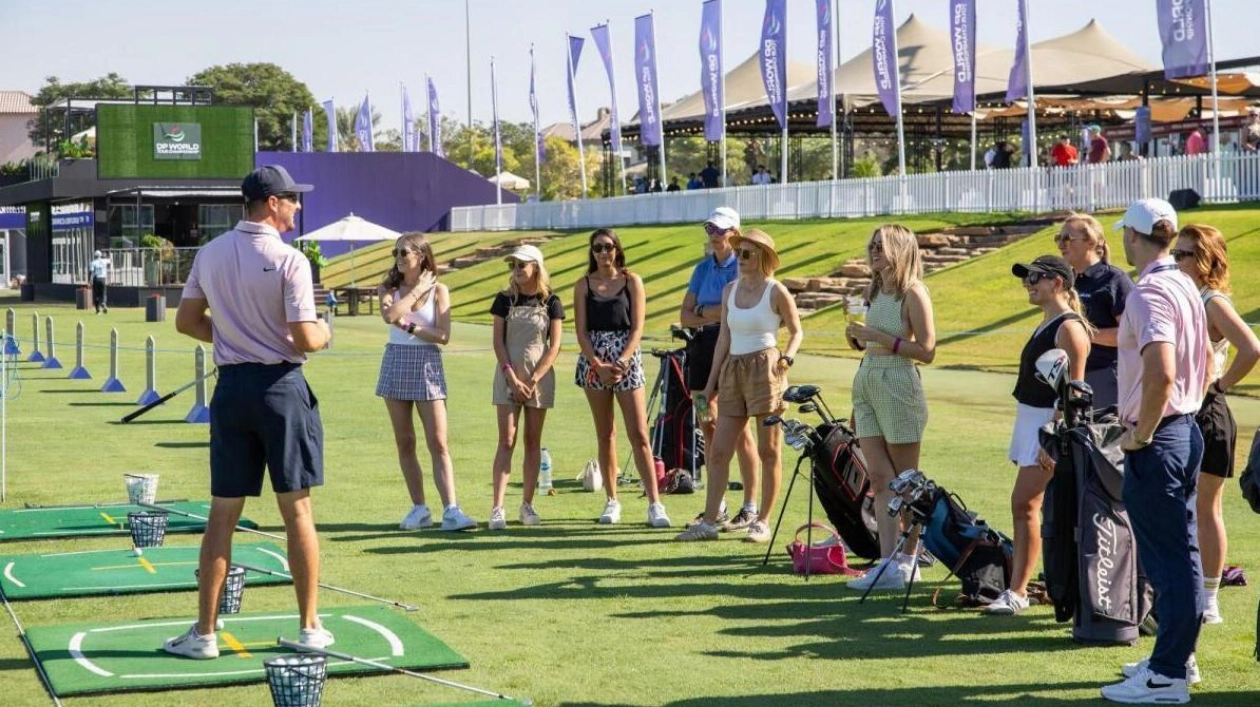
1049,282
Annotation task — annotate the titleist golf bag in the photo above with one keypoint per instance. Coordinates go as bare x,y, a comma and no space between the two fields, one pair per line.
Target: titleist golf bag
843,488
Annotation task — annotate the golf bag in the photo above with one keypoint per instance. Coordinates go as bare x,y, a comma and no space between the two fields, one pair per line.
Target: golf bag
979,555
843,488
1090,554
675,439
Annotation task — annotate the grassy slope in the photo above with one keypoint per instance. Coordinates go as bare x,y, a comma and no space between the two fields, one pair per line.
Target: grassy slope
371,262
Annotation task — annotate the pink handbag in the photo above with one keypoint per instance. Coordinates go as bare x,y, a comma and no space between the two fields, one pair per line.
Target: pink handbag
826,555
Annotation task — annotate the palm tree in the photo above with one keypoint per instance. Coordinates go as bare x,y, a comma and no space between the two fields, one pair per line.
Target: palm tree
347,140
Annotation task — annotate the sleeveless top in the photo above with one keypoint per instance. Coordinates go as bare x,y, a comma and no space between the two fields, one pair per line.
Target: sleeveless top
426,316
884,314
1220,347
1029,390
610,313
752,329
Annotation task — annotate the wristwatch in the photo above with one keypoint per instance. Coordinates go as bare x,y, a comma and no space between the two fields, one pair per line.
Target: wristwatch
789,360
699,310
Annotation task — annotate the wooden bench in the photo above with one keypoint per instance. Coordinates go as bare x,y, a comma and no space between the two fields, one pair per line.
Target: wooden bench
352,298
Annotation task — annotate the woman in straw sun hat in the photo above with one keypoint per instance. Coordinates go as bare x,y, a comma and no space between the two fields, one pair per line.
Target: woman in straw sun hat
748,377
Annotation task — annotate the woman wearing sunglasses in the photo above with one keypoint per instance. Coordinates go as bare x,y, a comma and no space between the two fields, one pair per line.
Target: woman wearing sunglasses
1049,281
608,306
418,309
527,327
748,376
889,407
1200,252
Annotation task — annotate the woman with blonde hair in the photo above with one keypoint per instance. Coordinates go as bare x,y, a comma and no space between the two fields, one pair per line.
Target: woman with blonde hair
418,309
1201,254
527,328
889,406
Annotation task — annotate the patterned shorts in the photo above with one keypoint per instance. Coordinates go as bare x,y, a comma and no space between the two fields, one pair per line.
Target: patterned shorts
888,399
610,346
412,372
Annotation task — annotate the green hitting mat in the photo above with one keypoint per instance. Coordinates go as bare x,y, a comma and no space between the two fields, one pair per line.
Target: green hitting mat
159,569
99,519
486,703
82,659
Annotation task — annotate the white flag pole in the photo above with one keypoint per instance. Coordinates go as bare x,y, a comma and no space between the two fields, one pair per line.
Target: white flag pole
832,64
498,145
722,61
656,72
537,134
1216,108
1032,93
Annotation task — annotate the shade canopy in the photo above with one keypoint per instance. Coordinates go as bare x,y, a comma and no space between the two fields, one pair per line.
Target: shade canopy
507,180
351,228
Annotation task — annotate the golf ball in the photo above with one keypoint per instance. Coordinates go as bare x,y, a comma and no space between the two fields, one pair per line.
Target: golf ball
218,624
137,551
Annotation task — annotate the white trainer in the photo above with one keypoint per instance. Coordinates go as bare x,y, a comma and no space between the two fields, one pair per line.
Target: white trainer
529,516
1008,603
699,531
455,519
1148,688
498,519
1193,677
758,532
895,576
612,513
318,637
1212,613
193,645
418,517
656,515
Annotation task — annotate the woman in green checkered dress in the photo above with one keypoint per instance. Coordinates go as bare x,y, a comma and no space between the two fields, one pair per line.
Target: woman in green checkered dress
889,408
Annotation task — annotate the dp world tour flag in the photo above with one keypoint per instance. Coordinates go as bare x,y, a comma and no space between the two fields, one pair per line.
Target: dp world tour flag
539,149
330,114
575,53
363,126
411,140
774,58
884,58
826,106
711,68
308,131
645,78
1183,31
603,44
435,122
962,18
1017,84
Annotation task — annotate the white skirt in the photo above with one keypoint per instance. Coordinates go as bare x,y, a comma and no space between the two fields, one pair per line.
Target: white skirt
1025,439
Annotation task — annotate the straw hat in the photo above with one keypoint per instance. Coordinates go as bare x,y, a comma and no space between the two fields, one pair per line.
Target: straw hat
763,241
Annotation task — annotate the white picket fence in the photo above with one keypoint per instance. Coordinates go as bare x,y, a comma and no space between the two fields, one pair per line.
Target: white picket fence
1080,188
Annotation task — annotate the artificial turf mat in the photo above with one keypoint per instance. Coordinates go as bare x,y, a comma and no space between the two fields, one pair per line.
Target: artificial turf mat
99,657
159,569
96,519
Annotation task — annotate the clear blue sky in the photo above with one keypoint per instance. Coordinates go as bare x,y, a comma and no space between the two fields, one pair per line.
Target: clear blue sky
341,49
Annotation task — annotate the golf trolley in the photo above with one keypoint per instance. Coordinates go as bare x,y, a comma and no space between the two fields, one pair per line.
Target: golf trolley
676,438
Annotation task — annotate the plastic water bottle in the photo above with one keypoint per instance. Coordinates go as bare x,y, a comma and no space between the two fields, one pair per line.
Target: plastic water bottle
544,472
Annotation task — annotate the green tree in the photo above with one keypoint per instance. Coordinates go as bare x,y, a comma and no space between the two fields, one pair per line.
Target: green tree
110,85
274,94
347,139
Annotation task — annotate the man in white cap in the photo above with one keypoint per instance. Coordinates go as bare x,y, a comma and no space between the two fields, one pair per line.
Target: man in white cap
1162,346
99,267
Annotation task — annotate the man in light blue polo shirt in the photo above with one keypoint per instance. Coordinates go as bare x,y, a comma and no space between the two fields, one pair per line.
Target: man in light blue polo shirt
99,268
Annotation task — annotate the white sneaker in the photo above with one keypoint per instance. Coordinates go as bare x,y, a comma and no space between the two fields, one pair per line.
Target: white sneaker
758,532
656,515
895,576
1008,603
699,531
318,637
454,519
193,645
498,519
418,517
529,516
1193,677
1148,688
612,513
1212,614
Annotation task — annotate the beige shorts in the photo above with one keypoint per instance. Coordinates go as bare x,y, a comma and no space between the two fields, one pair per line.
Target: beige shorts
751,385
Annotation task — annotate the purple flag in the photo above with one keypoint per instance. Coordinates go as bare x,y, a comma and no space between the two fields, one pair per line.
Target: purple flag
1017,83
308,131
363,126
962,17
826,104
884,58
330,114
539,149
575,53
1183,31
603,43
774,58
411,138
711,70
650,132
435,122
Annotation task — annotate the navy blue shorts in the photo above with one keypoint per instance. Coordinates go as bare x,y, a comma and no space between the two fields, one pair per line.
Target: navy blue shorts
264,416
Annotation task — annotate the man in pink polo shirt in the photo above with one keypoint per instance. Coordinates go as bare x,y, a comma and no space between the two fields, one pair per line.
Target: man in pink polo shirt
251,296
1162,346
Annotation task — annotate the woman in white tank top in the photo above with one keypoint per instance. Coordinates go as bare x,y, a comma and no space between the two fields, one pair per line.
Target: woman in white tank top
748,377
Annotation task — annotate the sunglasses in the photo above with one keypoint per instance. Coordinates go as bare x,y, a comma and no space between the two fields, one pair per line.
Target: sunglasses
1033,278
287,196
714,230
517,265
1179,254
400,252
747,253
603,248
875,248
1064,238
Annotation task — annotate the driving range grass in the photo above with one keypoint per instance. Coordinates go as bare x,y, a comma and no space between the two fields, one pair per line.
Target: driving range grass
572,613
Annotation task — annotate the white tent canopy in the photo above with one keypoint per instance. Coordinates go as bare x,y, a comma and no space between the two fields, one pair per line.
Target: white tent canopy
507,180
354,229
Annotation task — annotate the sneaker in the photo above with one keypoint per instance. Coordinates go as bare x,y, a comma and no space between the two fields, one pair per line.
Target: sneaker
1212,614
1148,688
699,531
895,577
742,520
1193,677
656,515
498,520
193,645
1008,603
722,518
318,637
529,516
419,517
454,519
611,514
758,532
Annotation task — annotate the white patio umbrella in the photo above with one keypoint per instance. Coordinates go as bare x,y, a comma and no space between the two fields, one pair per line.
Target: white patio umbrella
507,180
354,229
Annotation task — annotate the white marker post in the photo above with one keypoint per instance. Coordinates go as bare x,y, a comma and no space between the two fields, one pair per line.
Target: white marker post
79,372
150,394
51,361
36,356
199,413
112,384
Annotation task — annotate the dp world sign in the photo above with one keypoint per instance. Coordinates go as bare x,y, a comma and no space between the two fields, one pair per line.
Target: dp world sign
176,141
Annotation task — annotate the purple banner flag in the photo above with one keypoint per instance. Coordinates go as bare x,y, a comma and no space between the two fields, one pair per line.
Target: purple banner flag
539,149
884,58
603,44
962,17
411,137
1183,31
1017,83
575,53
774,58
308,131
645,77
330,113
826,104
363,126
711,70
435,122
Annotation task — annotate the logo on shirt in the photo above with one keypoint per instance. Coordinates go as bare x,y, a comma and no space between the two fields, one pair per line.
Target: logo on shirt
269,269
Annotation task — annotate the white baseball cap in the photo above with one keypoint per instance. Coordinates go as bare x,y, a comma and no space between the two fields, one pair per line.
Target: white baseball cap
724,217
97,254
526,254
1145,213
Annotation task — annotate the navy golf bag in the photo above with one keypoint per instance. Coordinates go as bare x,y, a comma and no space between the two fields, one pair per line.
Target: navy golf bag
978,554
843,488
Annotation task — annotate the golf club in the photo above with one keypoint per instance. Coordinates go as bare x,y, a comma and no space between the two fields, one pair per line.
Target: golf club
133,415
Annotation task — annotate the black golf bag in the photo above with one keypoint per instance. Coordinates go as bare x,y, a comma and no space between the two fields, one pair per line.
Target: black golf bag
1090,554
979,555
675,439
843,488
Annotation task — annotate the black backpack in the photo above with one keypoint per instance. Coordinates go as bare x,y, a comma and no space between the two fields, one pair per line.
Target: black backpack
979,555
844,490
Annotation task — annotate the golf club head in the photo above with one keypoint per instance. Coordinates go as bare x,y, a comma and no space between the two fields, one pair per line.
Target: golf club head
1052,368
771,421
808,407
807,392
1081,387
791,394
